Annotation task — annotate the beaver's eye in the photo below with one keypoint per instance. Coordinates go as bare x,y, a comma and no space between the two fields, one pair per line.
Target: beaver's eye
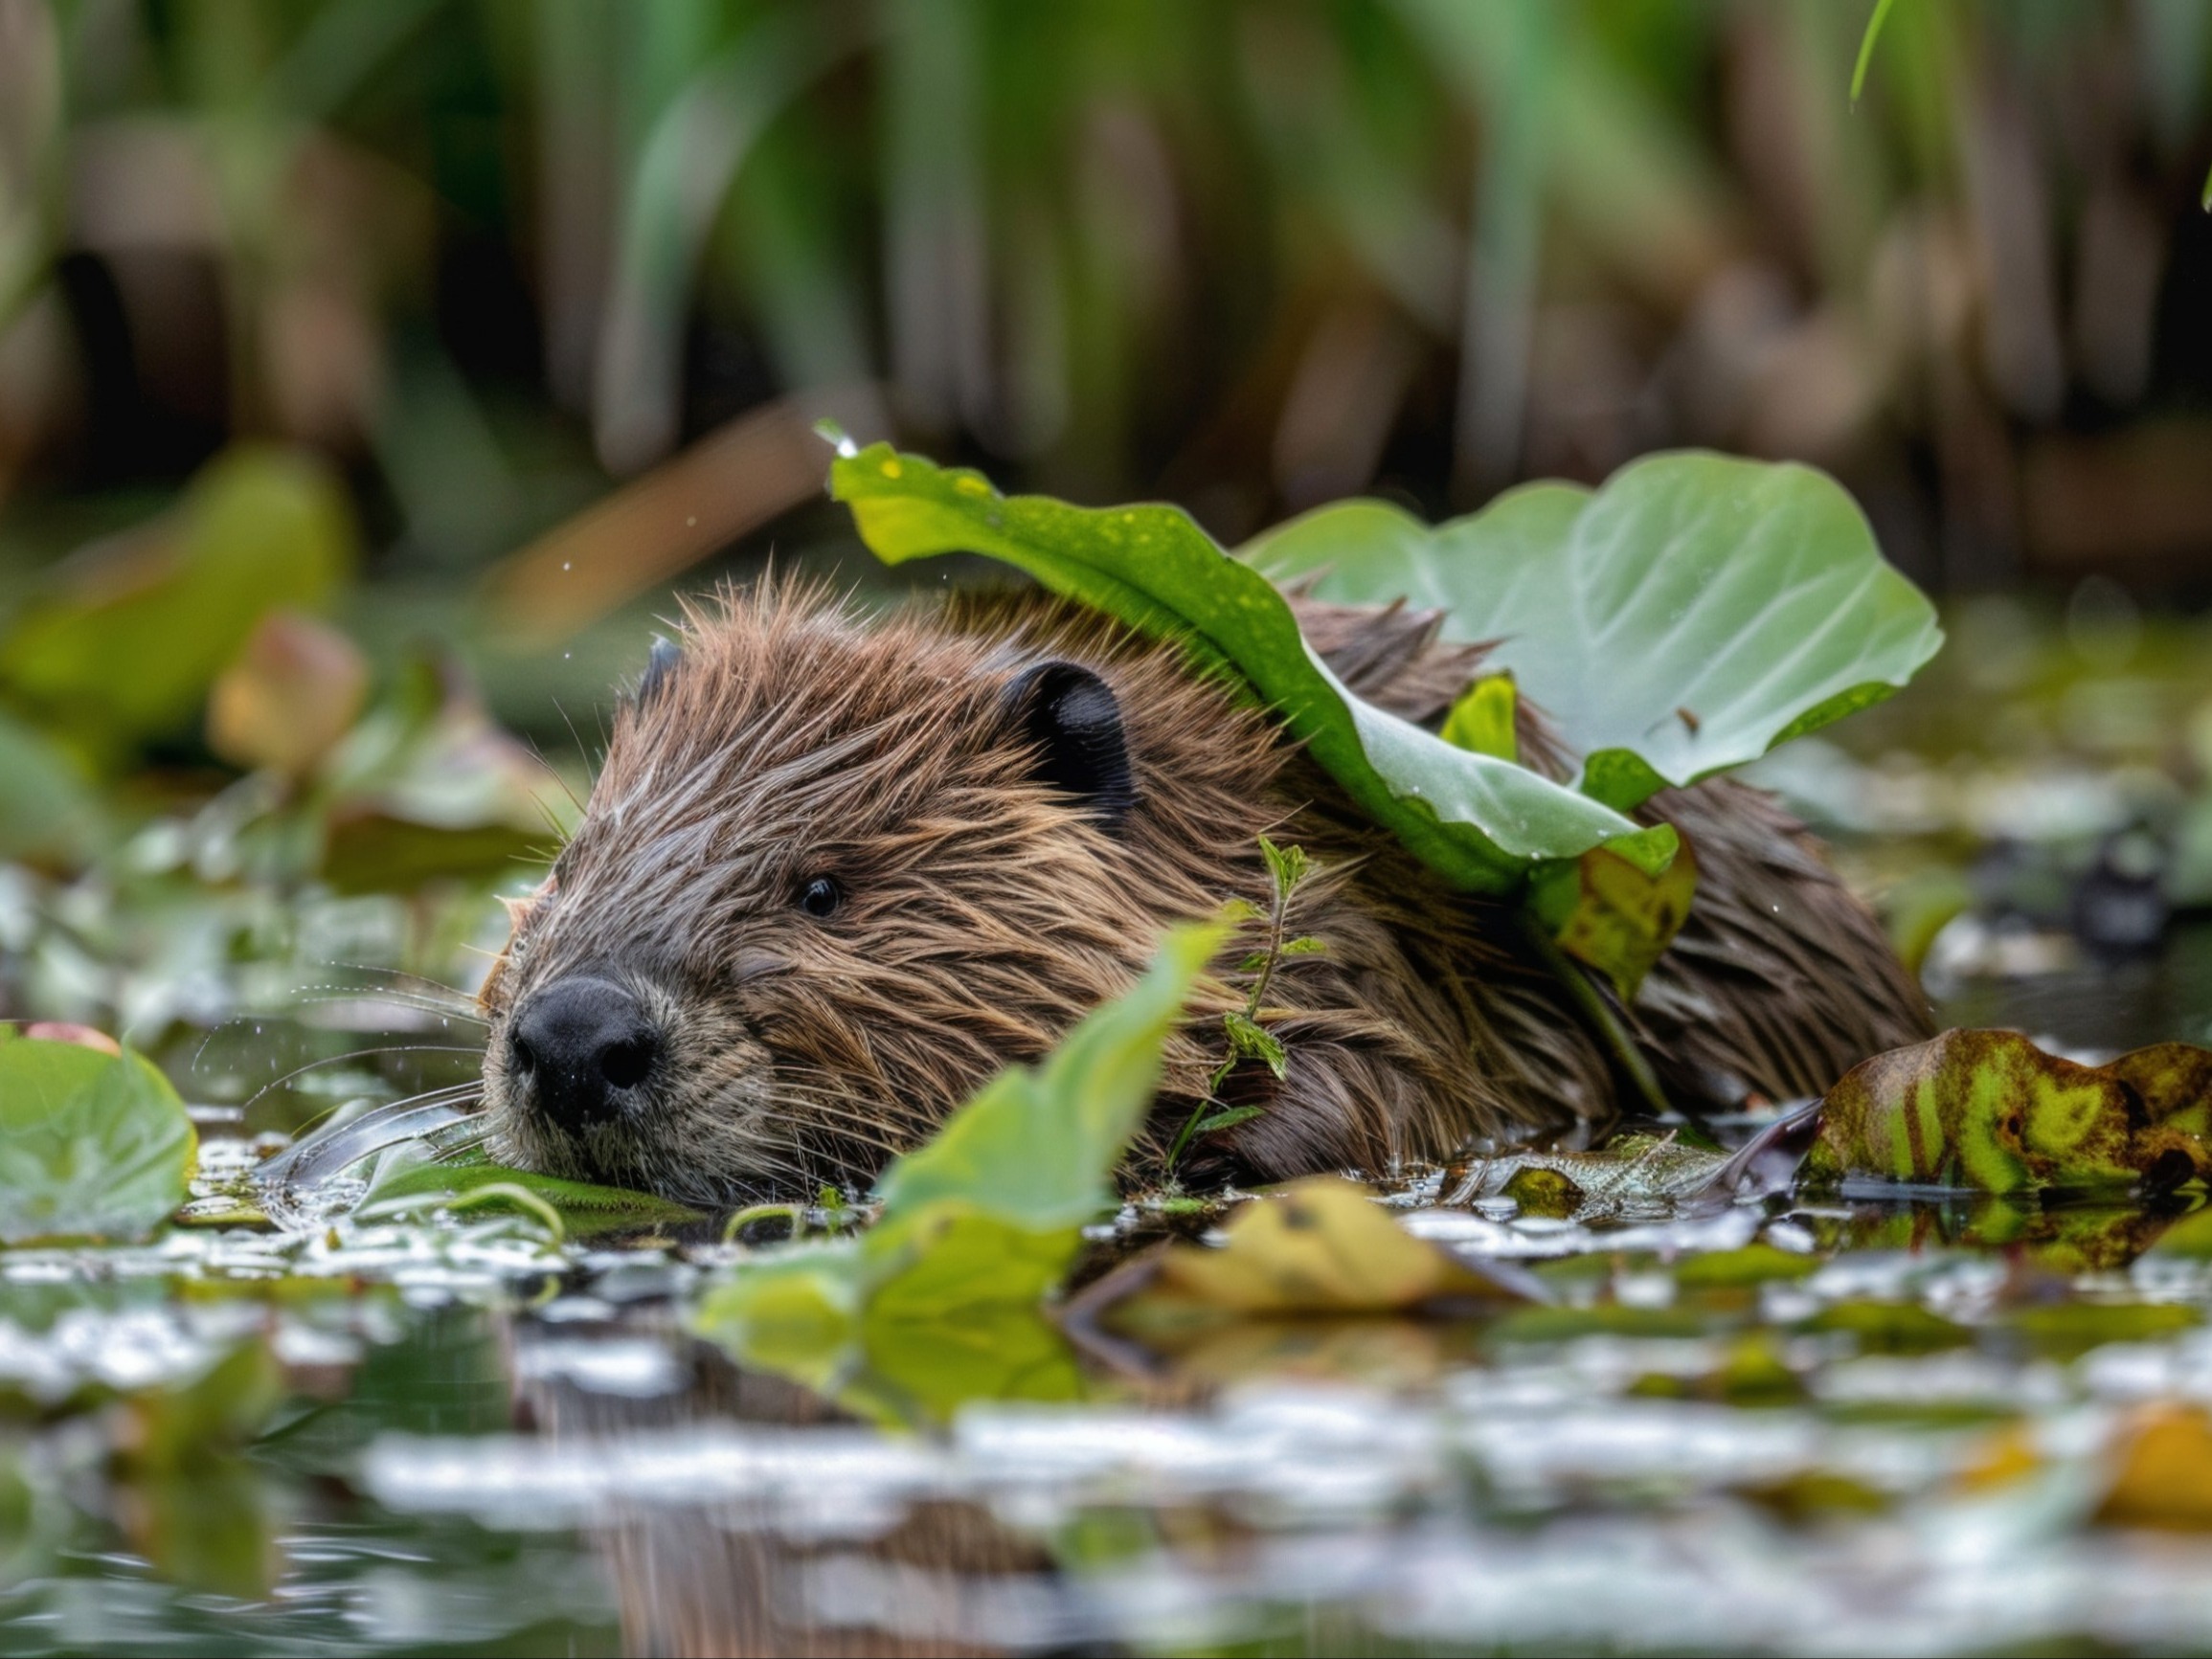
820,897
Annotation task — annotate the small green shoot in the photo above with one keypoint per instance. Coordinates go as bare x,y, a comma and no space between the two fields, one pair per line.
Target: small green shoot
1248,1040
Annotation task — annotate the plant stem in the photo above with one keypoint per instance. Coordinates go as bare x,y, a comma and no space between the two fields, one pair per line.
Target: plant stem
1603,1021
1278,916
752,1213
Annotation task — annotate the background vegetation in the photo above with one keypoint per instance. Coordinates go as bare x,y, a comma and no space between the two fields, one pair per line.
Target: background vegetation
490,259
356,355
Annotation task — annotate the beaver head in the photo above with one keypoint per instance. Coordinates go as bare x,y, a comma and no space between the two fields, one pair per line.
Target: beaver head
835,873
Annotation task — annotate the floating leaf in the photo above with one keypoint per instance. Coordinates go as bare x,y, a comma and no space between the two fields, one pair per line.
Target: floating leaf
2163,1474
91,1144
2068,1330
133,632
979,1225
2174,1079
1641,1177
1748,1265
1478,820
1322,1245
1684,618
1544,1192
1894,1328
1605,911
1988,1109
583,1208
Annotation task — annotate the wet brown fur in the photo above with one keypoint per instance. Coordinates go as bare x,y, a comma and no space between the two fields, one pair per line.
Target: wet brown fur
984,912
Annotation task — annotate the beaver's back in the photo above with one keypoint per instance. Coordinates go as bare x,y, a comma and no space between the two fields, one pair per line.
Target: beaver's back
837,870
1429,1020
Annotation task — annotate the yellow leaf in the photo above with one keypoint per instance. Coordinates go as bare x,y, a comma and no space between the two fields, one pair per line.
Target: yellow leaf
1605,911
2165,1472
1320,1245
2006,1457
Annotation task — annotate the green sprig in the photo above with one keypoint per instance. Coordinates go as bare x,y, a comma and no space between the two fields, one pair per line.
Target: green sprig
1287,867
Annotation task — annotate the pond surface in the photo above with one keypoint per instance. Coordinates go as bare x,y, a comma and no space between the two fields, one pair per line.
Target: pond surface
1775,1426
1770,1428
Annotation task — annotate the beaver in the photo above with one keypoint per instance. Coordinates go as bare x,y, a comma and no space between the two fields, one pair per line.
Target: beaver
837,870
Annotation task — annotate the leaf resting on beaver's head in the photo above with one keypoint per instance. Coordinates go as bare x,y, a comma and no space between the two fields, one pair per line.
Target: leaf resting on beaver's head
838,871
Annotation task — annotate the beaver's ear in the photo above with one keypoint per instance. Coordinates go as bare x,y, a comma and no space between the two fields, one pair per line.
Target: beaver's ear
667,655
1073,717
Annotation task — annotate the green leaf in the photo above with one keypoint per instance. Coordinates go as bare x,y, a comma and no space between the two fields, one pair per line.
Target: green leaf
91,1144
1305,947
584,1209
979,1225
1874,23
1476,819
1252,1043
1682,619
1227,1119
1286,865
1481,721
1635,1177
1990,1110
428,787
130,638
1038,1146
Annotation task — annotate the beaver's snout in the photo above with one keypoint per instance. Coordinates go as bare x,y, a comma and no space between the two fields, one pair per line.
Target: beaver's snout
583,1048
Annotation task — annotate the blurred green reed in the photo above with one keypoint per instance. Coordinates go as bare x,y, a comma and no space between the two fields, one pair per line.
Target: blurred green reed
1251,253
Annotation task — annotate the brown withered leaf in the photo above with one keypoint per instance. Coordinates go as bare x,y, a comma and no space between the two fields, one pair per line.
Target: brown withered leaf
291,692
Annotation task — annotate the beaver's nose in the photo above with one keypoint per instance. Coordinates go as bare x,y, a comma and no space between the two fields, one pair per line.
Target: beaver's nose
583,1045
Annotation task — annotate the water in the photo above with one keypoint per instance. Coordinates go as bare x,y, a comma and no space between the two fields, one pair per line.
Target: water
1783,1428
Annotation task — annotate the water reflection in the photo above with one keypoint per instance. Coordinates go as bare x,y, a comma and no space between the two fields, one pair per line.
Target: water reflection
742,1514
1773,1426
1719,1434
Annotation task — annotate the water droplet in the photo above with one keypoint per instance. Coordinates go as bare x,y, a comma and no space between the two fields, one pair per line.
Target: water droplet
568,565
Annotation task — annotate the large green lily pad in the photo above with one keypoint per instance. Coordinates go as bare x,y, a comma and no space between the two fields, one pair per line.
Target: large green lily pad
1477,820
1684,618
91,1144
